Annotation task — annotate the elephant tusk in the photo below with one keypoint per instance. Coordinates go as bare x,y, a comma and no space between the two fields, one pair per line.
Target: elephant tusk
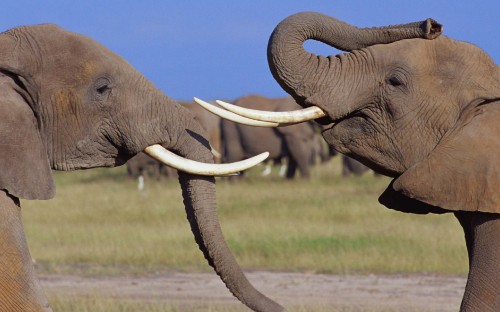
215,152
291,117
161,154
234,117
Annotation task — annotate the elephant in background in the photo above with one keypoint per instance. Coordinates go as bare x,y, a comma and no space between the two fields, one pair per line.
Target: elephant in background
297,144
68,103
143,165
424,110
351,166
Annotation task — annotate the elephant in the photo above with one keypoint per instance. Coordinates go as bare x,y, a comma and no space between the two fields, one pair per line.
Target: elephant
141,165
295,144
411,104
211,124
349,166
69,103
416,106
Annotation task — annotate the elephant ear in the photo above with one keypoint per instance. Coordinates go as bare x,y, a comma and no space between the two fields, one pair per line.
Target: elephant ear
462,173
24,166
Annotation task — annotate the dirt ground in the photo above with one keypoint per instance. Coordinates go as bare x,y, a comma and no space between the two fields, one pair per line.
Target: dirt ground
335,292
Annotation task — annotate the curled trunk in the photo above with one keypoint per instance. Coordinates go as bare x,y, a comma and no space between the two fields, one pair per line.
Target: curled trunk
299,71
200,203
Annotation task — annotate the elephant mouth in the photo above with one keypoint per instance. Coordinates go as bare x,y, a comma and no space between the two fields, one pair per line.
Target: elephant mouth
325,121
341,123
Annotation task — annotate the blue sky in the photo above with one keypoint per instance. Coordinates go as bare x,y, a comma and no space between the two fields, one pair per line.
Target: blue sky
217,49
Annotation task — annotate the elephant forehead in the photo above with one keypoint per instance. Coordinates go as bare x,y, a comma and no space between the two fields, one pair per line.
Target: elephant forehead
417,53
72,56
90,68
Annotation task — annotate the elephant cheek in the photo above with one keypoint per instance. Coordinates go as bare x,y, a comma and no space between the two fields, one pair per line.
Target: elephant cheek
353,138
344,136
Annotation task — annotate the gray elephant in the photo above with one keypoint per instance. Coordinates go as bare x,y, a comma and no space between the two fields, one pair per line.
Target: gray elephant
422,111
145,166
413,105
296,144
350,166
211,123
69,103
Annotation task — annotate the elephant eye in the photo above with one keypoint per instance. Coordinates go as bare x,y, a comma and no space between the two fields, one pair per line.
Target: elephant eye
395,81
102,88
399,77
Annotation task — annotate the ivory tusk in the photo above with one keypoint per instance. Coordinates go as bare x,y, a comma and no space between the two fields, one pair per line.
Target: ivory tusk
291,117
163,155
215,152
234,117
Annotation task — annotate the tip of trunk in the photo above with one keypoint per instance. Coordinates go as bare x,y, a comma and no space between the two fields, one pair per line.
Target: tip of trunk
432,29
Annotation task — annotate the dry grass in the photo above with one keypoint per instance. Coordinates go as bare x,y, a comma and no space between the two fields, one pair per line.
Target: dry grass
100,304
100,224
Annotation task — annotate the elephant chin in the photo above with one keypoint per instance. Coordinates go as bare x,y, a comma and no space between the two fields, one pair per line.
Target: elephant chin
346,136
341,134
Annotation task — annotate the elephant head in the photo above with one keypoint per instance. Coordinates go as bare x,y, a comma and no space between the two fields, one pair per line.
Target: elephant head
410,104
69,103
399,106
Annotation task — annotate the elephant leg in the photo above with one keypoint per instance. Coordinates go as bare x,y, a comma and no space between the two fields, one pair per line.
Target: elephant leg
298,155
267,169
129,172
140,183
482,230
19,288
156,171
291,168
346,170
283,166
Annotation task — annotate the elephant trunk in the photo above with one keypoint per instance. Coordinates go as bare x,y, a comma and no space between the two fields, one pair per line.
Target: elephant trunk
481,230
301,73
200,204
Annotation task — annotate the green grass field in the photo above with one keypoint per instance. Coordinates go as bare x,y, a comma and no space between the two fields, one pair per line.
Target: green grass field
100,224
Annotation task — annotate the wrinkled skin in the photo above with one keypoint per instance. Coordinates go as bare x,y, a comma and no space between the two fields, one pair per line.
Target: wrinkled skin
211,123
422,111
350,166
141,164
295,143
68,103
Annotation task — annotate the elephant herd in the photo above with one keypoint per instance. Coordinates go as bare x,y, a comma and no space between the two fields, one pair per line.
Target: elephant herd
294,148
404,100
